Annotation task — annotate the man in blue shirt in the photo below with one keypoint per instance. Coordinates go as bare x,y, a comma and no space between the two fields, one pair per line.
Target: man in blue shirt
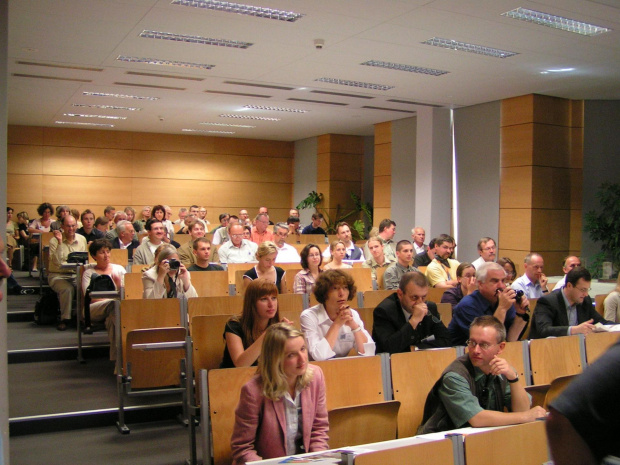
533,282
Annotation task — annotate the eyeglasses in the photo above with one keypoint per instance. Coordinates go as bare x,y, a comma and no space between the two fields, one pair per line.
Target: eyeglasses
236,235
483,345
584,290
488,249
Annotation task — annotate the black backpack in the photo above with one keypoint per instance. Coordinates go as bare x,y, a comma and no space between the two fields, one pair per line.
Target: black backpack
47,309
98,283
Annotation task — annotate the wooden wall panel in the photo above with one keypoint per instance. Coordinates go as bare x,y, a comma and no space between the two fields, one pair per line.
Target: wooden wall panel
25,159
383,192
346,167
576,148
576,227
551,188
253,147
383,160
24,188
383,133
576,188
67,137
517,110
517,147
515,187
550,230
25,135
382,197
323,172
171,143
551,145
87,162
85,190
552,110
340,143
514,228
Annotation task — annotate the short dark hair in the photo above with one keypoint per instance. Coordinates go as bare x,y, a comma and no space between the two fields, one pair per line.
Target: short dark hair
330,278
304,255
292,219
431,244
45,206
108,209
150,222
342,224
484,240
417,277
316,216
157,208
199,241
386,223
401,244
444,238
101,220
576,274
223,215
462,267
490,321
98,244
86,212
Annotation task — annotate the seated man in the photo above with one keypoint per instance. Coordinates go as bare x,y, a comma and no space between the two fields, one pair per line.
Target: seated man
264,211
109,213
487,250
286,252
102,224
221,234
237,249
62,281
125,238
118,216
186,251
224,217
417,236
88,229
352,252
533,282
475,388
202,216
377,258
294,230
202,250
570,263
425,258
144,254
182,214
441,272
405,319
568,310
387,231
260,233
491,298
404,254
315,226
244,218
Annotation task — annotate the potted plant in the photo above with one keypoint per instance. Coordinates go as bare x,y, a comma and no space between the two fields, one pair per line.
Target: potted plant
604,227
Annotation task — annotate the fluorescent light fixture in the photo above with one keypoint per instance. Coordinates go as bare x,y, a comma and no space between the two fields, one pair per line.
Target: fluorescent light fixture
156,61
239,8
465,47
259,118
560,70
104,94
228,125
262,107
105,107
194,39
556,22
364,85
207,131
101,125
409,68
78,115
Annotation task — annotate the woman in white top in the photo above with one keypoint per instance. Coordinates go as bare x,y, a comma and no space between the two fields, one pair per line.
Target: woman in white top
103,309
612,304
338,251
332,327
167,278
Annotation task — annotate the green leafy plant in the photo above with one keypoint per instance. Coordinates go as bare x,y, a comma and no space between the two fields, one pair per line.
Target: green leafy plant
604,226
359,229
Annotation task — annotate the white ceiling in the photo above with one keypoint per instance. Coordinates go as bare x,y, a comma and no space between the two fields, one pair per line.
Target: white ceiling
46,34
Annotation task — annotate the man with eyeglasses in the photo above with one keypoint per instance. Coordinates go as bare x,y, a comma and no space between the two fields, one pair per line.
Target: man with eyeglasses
570,263
260,233
405,319
491,298
533,282
286,252
237,249
475,388
441,272
487,250
568,310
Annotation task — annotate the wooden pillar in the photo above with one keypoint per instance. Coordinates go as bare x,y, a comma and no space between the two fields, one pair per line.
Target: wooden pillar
382,201
339,172
541,179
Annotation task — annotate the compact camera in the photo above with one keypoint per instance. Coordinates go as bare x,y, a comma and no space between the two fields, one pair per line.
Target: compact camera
174,264
518,296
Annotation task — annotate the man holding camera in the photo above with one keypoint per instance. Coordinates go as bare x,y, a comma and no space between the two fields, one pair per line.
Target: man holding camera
491,298
61,280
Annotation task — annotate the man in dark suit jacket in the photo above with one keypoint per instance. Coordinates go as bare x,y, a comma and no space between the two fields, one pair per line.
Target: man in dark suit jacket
125,238
568,310
404,318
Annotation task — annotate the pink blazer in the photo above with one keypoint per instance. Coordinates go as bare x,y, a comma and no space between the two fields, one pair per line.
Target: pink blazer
260,423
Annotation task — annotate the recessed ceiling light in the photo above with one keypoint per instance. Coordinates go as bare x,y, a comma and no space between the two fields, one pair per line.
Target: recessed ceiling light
465,47
345,82
194,39
78,115
228,125
104,94
156,61
262,107
239,8
207,131
105,107
556,22
260,118
101,125
409,68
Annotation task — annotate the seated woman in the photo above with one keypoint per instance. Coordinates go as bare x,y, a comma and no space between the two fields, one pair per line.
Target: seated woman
167,278
466,277
332,327
38,226
244,334
131,217
338,252
511,270
282,409
612,304
311,261
103,309
159,212
266,256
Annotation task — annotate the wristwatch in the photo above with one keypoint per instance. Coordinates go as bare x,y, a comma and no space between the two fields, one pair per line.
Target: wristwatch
512,381
525,316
